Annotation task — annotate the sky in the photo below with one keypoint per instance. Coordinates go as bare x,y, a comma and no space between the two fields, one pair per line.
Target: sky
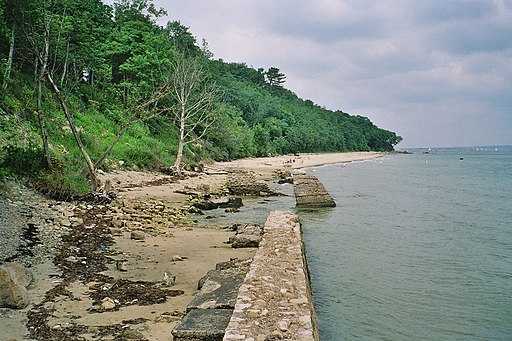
436,72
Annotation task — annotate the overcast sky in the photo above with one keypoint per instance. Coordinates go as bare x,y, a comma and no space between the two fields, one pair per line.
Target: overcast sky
437,72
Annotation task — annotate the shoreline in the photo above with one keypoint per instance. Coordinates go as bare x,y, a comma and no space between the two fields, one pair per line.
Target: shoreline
201,248
265,166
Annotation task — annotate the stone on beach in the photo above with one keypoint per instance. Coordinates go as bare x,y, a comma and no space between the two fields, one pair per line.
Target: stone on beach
14,279
137,235
247,235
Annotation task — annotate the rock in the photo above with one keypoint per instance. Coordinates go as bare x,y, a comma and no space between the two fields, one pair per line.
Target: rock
229,202
206,205
275,335
194,210
12,294
253,229
19,273
107,304
130,334
122,265
137,235
245,240
247,235
117,223
169,279
244,183
177,258
283,325
218,289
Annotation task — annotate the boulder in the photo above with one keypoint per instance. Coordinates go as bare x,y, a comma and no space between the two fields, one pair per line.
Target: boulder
21,274
245,240
245,183
218,203
13,281
247,235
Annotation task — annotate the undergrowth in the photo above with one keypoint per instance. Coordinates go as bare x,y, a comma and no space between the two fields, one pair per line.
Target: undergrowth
146,145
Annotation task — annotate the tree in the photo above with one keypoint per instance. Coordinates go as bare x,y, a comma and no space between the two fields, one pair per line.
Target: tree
275,77
144,110
194,97
139,50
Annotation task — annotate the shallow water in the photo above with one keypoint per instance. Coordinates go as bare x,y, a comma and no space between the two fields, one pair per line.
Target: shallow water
418,248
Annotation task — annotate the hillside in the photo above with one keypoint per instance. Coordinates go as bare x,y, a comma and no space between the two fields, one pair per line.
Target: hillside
86,86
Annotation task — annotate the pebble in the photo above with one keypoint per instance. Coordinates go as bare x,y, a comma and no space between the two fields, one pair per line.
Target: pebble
282,325
176,258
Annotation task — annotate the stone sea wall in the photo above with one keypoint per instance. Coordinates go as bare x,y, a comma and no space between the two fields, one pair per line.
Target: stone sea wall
275,301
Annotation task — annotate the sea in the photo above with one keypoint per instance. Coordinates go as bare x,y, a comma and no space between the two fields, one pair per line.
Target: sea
419,247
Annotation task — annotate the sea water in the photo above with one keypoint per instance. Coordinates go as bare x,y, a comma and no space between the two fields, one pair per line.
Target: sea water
419,247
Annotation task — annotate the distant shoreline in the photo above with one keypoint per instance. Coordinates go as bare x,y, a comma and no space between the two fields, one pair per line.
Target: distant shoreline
265,166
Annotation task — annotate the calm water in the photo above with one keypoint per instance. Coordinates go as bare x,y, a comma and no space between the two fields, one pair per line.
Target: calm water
418,248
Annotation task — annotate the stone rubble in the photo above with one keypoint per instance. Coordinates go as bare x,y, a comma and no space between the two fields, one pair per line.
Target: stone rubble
245,183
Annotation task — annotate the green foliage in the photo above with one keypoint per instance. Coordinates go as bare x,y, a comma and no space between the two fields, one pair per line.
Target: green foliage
275,77
126,55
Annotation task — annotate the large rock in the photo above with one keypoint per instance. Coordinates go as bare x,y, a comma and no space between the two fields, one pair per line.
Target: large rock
244,183
219,203
247,235
14,279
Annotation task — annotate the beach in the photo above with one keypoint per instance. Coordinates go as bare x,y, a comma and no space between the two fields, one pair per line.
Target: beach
154,205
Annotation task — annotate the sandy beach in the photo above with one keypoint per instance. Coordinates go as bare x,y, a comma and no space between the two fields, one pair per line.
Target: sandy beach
150,203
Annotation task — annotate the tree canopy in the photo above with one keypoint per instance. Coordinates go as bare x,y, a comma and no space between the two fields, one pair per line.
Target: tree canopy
109,59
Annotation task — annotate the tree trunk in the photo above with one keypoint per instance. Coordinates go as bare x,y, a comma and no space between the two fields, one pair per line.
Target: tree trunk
65,68
7,76
69,117
107,151
40,113
42,125
181,144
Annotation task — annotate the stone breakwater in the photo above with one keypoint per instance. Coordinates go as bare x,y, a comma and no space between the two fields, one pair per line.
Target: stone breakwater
310,192
275,302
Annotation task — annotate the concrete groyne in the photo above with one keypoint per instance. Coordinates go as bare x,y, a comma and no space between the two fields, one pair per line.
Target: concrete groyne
275,301
310,192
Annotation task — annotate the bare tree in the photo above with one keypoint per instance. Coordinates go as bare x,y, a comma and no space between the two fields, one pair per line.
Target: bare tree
194,97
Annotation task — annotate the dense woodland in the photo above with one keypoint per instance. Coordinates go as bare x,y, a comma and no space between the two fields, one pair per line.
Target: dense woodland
87,86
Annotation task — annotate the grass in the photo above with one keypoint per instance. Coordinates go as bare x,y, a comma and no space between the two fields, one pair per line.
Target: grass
146,145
